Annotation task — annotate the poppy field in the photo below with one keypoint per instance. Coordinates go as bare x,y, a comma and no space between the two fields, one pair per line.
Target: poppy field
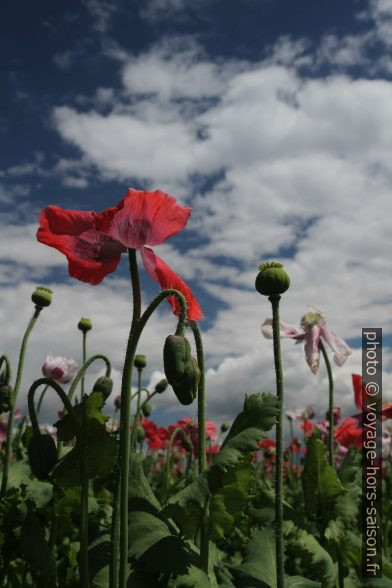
108,498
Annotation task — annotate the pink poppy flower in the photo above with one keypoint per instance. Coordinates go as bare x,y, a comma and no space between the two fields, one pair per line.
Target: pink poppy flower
59,368
313,328
93,243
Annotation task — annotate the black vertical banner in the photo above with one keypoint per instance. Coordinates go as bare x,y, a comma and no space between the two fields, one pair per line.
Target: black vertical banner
371,453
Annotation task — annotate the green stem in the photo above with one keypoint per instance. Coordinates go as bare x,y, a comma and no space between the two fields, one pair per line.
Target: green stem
202,455
64,398
84,488
136,417
274,299
41,399
84,334
330,404
84,367
134,336
33,320
176,431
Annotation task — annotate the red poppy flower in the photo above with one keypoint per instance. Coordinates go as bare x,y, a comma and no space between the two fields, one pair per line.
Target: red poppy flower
93,243
349,433
386,412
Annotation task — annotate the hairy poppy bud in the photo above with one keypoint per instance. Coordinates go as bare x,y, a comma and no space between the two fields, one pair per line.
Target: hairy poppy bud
272,279
225,426
5,398
161,386
104,385
85,325
42,296
140,362
140,434
146,408
181,369
42,455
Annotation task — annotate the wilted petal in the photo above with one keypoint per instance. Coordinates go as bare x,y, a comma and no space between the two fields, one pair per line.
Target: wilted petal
59,368
285,330
143,218
339,347
312,348
162,273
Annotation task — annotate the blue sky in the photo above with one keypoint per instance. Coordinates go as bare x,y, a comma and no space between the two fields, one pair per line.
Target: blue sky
270,118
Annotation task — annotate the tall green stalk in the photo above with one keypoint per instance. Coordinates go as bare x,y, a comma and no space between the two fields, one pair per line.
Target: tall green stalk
274,299
331,451
33,320
202,455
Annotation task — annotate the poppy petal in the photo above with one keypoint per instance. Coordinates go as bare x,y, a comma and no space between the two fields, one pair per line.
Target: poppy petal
285,330
357,386
160,272
339,347
91,254
143,218
312,348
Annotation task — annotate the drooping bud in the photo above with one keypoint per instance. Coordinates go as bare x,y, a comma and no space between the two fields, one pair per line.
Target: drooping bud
181,369
140,362
117,402
104,385
272,279
140,433
225,426
42,455
146,408
85,325
5,398
161,386
42,296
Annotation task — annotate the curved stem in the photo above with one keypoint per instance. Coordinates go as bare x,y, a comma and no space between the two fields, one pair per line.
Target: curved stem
168,457
134,336
64,399
279,443
202,455
41,399
33,320
330,405
84,367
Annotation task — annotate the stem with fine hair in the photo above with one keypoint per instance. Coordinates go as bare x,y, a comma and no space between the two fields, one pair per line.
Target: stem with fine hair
134,336
84,351
176,431
84,571
274,299
84,367
202,455
40,400
136,417
33,320
330,405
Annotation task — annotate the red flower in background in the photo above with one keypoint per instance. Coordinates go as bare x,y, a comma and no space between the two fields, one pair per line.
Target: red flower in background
93,243
307,427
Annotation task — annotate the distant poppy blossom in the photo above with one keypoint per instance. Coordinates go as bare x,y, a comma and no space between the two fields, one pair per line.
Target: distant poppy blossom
312,330
93,243
59,368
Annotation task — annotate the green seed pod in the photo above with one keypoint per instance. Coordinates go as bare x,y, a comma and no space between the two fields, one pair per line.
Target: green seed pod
161,386
5,398
146,408
42,296
42,455
104,385
85,325
225,426
140,362
140,434
272,279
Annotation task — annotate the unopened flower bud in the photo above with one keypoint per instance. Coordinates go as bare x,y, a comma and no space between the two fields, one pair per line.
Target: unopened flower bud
140,362
181,369
85,325
5,398
161,386
146,408
225,426
42,455
42,296
140,433
272,279
104,385
117,402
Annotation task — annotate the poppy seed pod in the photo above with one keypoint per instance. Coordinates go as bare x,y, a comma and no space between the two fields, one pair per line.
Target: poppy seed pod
225,426
104,385
181,369
272,279
5,398
85,325
42,296
140,362
42,455
161,386
146,408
